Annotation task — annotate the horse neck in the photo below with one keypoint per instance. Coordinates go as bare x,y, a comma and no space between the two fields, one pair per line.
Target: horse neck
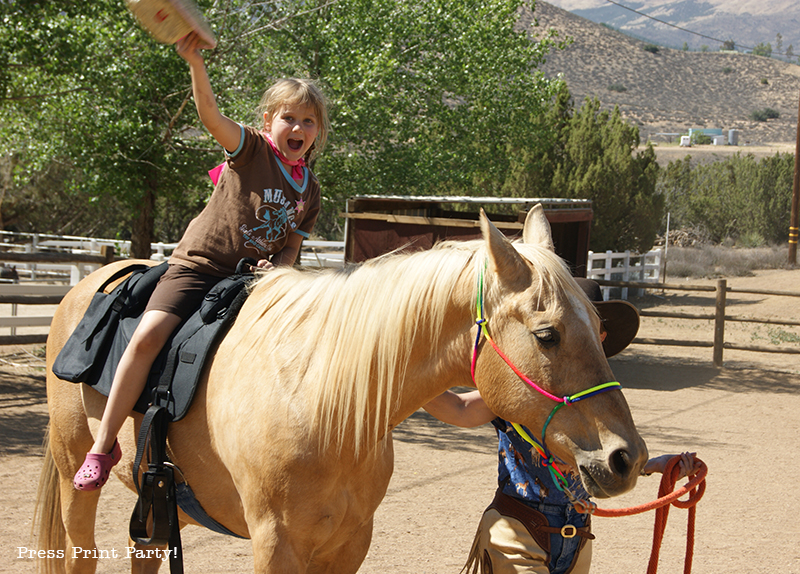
440,355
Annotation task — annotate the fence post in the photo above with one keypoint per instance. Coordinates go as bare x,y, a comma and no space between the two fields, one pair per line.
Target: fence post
607,275
626,274
107,251
719,321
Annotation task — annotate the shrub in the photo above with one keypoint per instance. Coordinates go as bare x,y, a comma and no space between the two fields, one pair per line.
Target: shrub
764,82
652,48
751,239
763,49
617,88
705,261
727,70
599,161
764,115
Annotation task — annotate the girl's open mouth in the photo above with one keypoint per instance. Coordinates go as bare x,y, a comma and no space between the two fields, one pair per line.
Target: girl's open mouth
295,145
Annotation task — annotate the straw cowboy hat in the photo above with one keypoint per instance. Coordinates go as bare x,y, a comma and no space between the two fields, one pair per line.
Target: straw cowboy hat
620,318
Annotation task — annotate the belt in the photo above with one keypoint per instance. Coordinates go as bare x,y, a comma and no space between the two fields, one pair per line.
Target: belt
536,523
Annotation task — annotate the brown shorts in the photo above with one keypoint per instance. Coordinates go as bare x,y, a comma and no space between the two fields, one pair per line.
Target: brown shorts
180,291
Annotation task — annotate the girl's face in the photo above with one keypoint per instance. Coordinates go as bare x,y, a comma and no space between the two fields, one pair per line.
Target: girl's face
293,128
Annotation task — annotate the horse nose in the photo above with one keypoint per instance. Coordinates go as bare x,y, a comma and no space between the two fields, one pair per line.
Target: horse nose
623,463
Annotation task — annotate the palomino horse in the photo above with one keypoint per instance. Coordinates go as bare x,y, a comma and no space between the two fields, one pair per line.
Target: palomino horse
289,440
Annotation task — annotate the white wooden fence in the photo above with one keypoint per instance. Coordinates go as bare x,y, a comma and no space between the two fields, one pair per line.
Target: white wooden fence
314,254
28,299
21,303
624,266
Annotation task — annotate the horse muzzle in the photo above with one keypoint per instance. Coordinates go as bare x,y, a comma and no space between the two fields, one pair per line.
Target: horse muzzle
611,472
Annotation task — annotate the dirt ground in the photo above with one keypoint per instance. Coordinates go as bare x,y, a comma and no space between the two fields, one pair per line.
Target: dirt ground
742,420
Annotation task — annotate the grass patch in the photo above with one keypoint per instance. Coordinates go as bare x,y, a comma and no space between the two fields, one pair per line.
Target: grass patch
776,336
709,261
617,88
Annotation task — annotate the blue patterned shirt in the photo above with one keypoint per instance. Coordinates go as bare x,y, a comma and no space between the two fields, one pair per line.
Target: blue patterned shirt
521,473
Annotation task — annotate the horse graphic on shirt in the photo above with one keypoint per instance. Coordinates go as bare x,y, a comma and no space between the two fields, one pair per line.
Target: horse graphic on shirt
274,226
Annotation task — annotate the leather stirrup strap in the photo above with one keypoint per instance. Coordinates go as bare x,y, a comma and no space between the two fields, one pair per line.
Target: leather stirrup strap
157,499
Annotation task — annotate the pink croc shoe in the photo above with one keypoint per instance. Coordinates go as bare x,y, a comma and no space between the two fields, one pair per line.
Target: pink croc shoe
96,468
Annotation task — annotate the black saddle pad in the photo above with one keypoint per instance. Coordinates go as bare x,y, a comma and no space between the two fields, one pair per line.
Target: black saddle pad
94,349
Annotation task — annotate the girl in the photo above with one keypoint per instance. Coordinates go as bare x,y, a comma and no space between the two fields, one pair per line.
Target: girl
265,202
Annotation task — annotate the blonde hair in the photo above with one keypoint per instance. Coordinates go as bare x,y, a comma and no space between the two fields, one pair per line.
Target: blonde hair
296,91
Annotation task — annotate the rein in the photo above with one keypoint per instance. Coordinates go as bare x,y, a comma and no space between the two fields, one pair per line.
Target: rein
695,488
548,460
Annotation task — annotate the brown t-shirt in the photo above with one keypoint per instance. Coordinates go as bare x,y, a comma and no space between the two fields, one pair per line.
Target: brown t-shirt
254,207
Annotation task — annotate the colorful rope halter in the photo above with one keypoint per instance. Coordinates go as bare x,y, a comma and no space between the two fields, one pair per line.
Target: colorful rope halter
548,460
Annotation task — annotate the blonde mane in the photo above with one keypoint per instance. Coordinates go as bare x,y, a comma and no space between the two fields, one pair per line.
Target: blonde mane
359,326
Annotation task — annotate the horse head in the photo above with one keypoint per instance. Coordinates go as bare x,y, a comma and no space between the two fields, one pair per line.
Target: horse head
546,338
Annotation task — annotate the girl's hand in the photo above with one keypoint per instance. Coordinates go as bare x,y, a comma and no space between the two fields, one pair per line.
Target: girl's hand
262,264
687,464
189,48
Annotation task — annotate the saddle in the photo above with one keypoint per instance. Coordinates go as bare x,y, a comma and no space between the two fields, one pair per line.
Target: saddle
91,355
92,352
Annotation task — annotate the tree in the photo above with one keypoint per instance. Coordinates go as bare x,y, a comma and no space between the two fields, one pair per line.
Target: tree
88,91
763,49
729,45
427,97
732,198
599,161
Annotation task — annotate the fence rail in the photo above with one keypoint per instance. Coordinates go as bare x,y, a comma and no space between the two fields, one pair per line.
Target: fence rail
66,260
625,267
718,344
611,270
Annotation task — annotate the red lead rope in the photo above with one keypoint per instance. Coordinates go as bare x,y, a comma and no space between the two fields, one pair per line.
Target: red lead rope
667,495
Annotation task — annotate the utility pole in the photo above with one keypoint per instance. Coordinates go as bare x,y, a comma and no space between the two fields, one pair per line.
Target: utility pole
794,218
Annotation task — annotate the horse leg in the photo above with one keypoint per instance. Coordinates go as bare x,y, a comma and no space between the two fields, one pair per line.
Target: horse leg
146,559
69,440
273,551
349,557
78,513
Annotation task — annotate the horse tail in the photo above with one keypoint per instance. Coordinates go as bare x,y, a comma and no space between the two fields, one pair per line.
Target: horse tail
47,515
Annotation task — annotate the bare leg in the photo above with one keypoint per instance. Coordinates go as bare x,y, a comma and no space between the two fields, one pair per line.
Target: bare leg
131,376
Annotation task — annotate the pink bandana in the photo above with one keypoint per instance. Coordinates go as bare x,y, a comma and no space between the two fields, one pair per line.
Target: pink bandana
216,172
297,166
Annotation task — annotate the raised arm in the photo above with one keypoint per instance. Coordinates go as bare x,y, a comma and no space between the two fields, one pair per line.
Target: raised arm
225,130
460,409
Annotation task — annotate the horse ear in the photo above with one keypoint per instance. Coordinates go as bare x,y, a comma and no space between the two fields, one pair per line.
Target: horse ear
537,228
504,260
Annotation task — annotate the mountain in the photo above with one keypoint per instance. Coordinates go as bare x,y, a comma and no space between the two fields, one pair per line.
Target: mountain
746,22
669,90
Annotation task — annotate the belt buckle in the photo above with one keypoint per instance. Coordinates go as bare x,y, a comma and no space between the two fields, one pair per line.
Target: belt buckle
569,531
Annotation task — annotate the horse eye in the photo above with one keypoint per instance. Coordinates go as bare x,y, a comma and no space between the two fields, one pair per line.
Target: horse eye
547,337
